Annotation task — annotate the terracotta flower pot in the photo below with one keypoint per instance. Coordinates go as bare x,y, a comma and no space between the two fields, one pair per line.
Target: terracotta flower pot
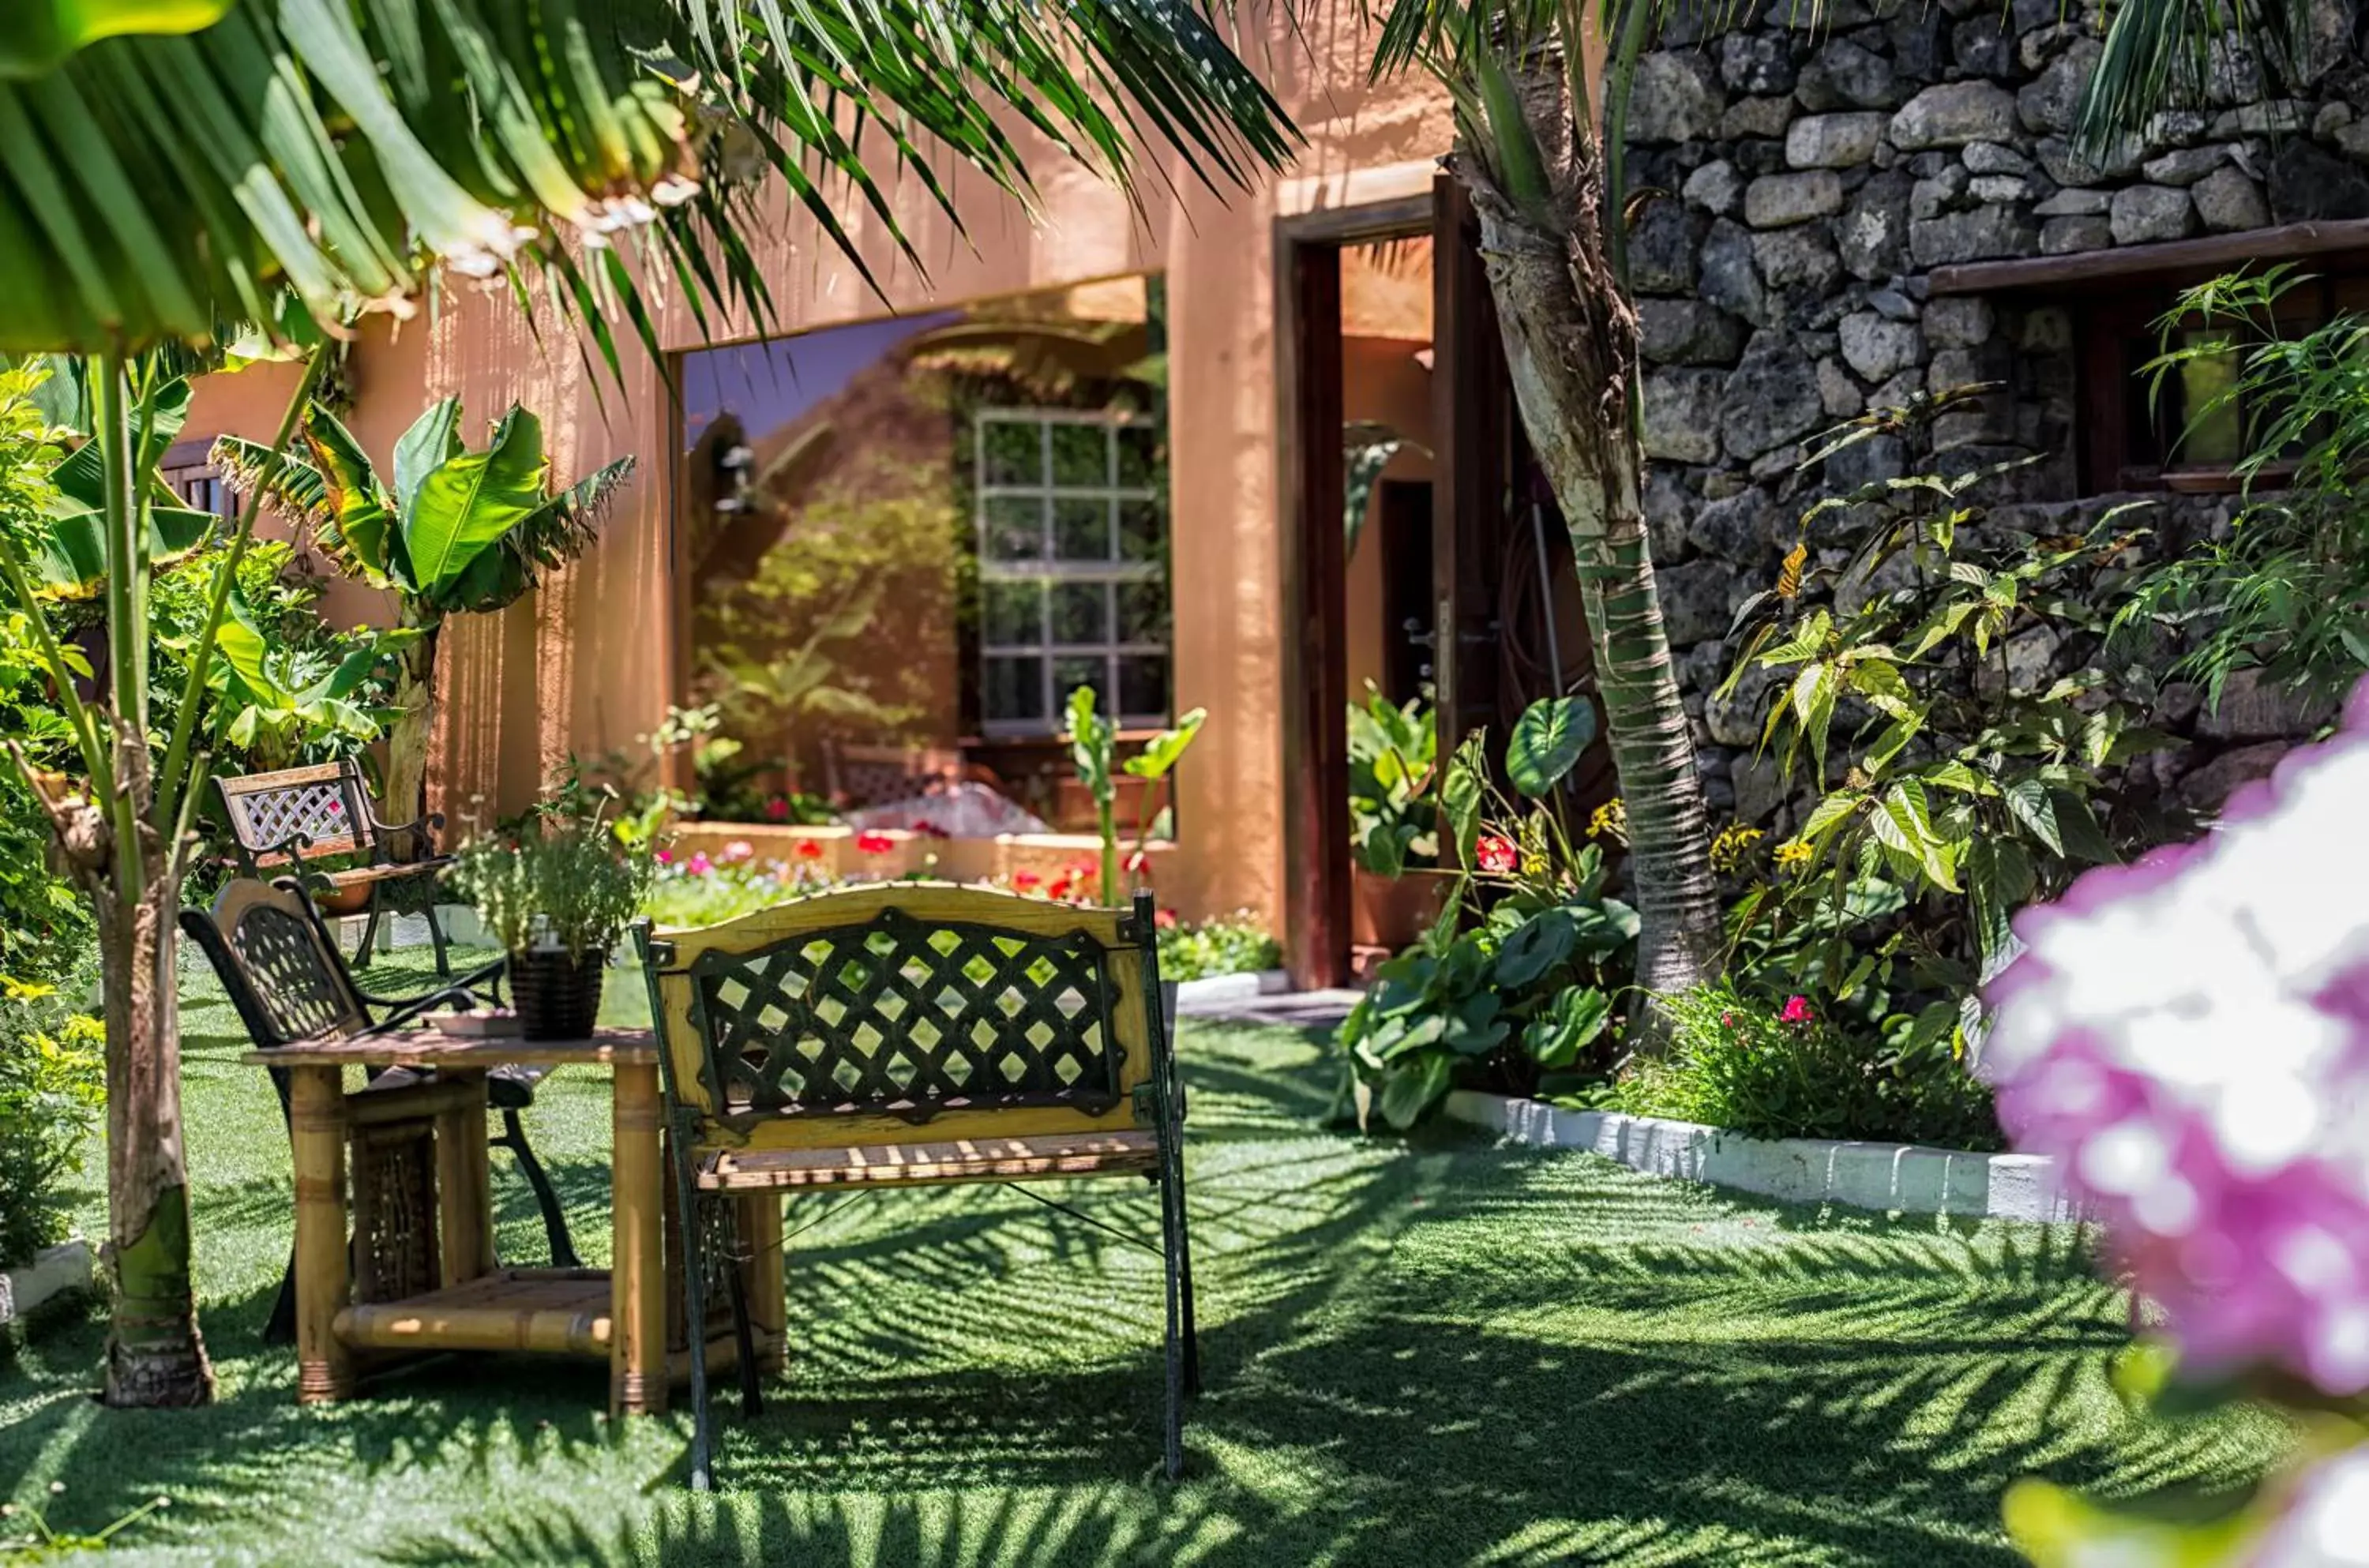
1392,912
558,998
334,901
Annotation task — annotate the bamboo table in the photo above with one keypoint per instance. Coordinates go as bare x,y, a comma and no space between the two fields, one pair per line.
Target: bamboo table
620,1313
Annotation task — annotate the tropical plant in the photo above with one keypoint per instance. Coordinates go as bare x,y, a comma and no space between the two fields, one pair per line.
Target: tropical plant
1517,978
1956,734
1094,751
343,152
460,533
2286,592
1548,185
1393,785
1238,944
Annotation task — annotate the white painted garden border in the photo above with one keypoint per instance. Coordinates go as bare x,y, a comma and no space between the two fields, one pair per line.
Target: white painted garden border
1893,1177
54,1272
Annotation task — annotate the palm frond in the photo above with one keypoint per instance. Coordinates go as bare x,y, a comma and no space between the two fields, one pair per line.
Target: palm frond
342,147
2159,54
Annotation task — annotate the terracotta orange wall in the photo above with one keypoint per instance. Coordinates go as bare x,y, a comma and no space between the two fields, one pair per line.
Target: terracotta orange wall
1382,380
588,662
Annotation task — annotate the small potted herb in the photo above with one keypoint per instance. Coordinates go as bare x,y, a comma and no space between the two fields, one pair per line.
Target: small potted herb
1398,889
556,897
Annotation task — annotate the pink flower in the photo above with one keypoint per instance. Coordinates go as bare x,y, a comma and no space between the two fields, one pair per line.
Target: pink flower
1496,854
2188,1038
1165,919
699,864
807,850
738,851
1024,881
870,842
778,809
665,857
1797,1011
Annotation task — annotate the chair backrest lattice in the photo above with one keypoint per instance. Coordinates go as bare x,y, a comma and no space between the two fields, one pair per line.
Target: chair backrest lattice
917,1001
284,976
323,807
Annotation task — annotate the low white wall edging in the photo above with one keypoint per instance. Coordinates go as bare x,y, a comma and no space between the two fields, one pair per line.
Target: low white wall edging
1892,1177
54,1272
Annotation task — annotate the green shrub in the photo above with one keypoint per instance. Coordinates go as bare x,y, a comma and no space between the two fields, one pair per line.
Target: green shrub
575,884
52,1087
1230,944
1787,1070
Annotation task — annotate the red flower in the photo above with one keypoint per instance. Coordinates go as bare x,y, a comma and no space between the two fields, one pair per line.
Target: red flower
1727,1020
777,808
1797,1011
874,843
1496,854
1165,919
930,831
1061,887
1026,882
1082,869
1138,863
807,850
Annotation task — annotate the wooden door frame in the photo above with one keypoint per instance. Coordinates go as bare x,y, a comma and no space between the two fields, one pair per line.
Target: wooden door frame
1310,487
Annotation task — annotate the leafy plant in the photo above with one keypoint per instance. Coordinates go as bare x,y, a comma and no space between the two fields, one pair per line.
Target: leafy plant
1919,673
1238,944
1393,785
2287,591
1770,1068
51,1089
573,884
1093,749
1522,996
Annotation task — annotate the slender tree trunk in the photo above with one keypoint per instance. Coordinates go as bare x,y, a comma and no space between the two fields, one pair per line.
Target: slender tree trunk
407,740
155,1353
1571,348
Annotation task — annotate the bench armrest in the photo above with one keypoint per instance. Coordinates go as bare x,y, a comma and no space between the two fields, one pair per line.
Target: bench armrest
477,985
424,830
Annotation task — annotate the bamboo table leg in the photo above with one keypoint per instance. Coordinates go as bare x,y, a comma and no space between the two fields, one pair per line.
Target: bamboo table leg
638,1360
464,1187
769,1308
316,1118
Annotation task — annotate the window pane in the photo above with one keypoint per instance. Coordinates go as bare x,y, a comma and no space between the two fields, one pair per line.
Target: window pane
1143,685
1142,612
1012,614
1139,531
1075,670
1081,612
1138,450
2212,437
1015,528
1082,530
1015,451
1081,455
1011,689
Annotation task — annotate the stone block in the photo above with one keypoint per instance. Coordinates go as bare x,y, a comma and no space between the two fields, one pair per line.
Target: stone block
1800,258
1958,321
1688,332
1716,187
1877,348
2145,214
1984,234
1731,278
1675,98
2050,101
2069,236
1780,200
1771,398
1953,114
1833,140
1682,410
2229,202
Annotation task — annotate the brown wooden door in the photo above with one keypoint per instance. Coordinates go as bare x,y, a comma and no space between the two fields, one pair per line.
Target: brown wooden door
1470,424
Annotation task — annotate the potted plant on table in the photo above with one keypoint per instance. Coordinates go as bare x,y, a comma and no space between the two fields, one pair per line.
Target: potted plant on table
557,895
1398,889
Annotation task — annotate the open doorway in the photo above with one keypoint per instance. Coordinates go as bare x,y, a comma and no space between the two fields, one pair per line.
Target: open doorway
1427,572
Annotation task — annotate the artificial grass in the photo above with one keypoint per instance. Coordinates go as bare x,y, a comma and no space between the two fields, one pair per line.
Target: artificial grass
1422,1352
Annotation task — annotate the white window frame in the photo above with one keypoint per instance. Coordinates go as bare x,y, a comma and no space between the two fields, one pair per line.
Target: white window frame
1048,570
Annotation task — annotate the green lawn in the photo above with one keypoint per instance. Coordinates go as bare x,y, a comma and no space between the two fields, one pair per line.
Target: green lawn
1425,1352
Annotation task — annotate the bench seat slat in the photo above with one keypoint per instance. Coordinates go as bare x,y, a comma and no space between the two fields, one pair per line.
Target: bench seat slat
911,1165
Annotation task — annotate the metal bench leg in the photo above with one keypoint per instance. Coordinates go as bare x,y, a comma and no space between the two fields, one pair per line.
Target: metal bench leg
555,1219
1184,1290
694,1290
370,933
744,1337
1172,1227
436,936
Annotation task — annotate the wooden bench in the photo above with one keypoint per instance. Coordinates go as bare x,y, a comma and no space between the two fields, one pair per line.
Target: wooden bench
276,820
913,1033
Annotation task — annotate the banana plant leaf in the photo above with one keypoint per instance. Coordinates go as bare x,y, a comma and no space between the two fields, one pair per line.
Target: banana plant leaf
69,554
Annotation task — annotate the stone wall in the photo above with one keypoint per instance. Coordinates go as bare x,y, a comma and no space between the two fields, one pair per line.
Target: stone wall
1800,185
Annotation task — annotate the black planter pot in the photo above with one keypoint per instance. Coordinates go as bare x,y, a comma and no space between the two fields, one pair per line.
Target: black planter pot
558,998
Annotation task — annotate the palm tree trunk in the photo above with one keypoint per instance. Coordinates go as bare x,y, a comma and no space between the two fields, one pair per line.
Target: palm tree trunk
1571,349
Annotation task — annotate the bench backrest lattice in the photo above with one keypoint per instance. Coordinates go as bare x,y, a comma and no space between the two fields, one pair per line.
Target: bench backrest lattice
906,1004
320,810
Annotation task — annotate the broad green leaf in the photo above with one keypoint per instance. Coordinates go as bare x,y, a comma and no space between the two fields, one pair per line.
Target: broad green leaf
1462,793
1547,743
1556,1036
1412,1087
433,439
360,522
465,505
1161,751
1538,946
40,34
1092,738
2029,802
69,555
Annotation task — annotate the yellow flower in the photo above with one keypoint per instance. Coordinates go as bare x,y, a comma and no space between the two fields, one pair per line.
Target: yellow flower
1610,820
1735,841
1793,852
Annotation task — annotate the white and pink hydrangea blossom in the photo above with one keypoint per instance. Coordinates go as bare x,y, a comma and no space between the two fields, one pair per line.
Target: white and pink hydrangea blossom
2325,1523
2189,1037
